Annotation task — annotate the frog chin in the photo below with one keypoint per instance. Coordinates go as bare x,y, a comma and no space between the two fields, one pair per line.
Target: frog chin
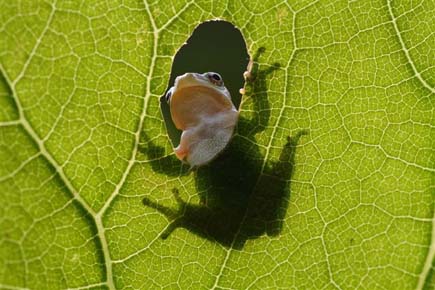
205,150
202,143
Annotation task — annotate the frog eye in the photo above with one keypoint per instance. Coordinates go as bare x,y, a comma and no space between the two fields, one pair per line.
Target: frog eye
169,95
215,78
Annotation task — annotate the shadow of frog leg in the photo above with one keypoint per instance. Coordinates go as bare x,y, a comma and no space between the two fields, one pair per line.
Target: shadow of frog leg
256,90
283,171
217,224
174,216
270,199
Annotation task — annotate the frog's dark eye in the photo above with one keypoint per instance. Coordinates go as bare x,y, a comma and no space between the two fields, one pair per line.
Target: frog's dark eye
168,96
215,78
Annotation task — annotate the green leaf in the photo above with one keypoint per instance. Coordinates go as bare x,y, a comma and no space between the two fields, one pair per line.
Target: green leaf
328,183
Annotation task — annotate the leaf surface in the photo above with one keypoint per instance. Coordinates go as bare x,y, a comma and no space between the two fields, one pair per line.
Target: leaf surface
328,183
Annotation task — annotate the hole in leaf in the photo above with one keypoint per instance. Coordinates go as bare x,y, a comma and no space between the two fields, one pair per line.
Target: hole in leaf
216,46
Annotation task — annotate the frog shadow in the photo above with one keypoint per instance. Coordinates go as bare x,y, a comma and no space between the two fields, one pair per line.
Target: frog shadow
242,196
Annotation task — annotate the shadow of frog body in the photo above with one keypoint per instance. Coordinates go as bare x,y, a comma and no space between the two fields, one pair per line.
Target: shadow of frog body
242,207
240,197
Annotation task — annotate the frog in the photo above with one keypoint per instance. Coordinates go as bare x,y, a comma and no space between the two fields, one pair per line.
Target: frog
201,107
242,196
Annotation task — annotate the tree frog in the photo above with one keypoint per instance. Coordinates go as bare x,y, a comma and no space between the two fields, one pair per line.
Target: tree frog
202,108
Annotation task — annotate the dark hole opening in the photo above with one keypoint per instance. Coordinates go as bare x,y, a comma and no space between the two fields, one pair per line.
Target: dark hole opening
216,46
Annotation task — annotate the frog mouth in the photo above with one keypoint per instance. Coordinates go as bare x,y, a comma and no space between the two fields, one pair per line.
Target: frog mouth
187,78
